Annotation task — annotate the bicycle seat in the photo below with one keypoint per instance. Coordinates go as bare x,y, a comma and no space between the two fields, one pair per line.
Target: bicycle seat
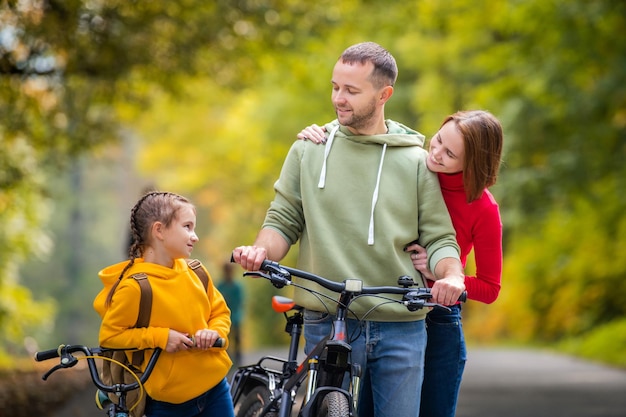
282,304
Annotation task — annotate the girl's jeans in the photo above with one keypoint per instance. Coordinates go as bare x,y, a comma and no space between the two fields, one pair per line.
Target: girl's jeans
391,355
445,362
214,402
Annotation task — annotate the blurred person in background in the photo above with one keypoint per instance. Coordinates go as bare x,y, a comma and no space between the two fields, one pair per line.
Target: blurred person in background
233,293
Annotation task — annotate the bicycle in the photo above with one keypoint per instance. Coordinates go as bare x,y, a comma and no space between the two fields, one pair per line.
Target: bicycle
68,360
259,390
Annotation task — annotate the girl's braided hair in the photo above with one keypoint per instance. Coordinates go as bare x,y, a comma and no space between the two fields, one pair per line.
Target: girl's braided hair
155,206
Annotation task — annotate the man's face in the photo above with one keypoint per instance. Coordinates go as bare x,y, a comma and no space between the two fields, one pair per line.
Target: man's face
354,97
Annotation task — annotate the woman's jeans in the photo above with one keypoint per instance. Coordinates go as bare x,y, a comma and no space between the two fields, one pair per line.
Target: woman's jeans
445,362
391,355
214,402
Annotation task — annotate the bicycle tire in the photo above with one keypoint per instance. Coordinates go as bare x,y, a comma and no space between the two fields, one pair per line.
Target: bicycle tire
334,404
253,403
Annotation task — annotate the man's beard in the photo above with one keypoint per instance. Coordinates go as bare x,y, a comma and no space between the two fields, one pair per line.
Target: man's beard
362,119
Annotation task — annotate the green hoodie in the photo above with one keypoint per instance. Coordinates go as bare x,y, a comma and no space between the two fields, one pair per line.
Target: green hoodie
354,204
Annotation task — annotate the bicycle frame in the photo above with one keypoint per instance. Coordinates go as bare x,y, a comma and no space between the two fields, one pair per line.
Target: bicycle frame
323,369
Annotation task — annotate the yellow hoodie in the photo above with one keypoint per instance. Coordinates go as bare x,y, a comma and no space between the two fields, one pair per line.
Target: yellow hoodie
179,303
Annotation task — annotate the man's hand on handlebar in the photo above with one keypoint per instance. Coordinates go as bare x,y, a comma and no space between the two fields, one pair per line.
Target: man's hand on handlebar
249,257
451,282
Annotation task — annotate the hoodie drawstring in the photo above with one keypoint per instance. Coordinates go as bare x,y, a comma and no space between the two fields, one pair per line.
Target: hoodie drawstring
329,143
370,234
322,181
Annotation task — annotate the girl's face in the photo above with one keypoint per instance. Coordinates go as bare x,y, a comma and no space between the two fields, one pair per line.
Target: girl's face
179,237
446,153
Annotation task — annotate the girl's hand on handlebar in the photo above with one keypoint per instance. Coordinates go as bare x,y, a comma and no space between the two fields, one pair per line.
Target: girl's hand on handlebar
419,257
314,133
205,338
177,341
249,257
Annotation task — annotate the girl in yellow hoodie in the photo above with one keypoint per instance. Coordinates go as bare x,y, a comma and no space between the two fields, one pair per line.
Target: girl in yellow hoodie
189,379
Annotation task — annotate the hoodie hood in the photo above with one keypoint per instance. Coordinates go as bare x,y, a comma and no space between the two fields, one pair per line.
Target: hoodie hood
111,274
397,135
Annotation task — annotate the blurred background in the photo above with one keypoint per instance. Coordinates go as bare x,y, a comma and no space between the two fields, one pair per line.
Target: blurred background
100,100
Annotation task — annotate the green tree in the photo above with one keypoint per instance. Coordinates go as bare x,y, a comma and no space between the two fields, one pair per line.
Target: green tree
212,93
65,65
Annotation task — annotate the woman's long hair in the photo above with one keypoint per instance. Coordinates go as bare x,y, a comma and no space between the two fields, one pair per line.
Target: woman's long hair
482,137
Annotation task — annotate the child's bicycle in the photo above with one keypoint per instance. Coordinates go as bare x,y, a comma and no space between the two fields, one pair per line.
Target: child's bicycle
68,360
259,390
112,409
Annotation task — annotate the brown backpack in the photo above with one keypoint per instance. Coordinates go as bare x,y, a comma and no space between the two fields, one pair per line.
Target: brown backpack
112,373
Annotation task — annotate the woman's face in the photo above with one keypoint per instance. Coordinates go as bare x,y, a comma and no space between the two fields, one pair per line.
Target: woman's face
446,153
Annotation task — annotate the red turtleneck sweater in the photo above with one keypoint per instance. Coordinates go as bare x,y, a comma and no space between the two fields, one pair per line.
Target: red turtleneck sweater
478,225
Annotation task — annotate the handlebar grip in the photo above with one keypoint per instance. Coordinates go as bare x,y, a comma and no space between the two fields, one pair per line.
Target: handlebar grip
219,342
47,354
463,297
267,262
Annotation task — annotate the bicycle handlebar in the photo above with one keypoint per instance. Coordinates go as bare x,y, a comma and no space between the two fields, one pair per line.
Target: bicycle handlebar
56,353
280,276
48,354
68,360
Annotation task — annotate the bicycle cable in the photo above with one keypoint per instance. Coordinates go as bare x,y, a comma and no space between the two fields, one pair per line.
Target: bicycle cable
141,388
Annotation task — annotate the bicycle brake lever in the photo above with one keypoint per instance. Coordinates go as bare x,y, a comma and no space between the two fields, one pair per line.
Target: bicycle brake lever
51,371
414,304
277,280
256,274
441,306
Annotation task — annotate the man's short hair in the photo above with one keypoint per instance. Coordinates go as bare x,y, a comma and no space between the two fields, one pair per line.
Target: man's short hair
385,69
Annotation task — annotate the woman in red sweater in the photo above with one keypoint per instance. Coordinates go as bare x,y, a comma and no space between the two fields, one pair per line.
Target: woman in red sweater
465,153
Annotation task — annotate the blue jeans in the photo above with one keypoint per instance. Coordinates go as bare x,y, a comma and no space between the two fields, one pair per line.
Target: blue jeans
391,355
214,402
445,361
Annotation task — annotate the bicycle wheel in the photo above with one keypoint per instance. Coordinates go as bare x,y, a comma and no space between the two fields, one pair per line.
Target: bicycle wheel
334,404
253,403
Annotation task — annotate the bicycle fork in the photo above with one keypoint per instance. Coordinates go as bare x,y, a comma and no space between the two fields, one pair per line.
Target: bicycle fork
328,365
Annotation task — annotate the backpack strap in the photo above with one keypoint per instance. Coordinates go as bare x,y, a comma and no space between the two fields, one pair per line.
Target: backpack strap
145,309
145,302
196,267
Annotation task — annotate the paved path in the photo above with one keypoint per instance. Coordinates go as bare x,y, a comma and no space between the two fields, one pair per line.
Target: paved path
503,383
523,383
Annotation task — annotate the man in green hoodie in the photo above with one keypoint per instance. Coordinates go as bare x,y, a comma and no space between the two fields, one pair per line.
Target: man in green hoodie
355,204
